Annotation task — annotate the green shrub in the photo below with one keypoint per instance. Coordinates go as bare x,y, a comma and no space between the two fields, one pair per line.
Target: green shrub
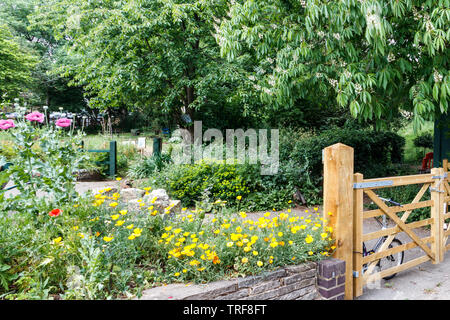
424,140
145,167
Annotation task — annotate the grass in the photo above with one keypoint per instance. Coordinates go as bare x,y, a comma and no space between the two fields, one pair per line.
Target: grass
412,154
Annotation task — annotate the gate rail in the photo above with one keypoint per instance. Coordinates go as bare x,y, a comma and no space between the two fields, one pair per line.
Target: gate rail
343,199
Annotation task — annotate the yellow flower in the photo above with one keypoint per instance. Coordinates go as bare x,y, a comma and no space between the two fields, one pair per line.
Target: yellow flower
168,228
75,228
108,239
266,214
194,263
76,205
115,217
244,260
57,240
118,178
243,214
280,234
120,222
229,244
178,230
247,249
201,269
177,274
274,244
239,198
309,239
137,231
148,188
310,253
324,235
113,204
131,227
123,212
330,213
255,253
260,263
184,270
131,237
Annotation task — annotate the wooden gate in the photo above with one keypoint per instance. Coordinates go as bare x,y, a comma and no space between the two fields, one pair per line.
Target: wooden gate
344,200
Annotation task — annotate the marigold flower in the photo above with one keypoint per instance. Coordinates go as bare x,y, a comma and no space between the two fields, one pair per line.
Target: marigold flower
255,253
131,237
123,212
244,260
260,263
230,244
57,240
75,228
113,204
120,222
309,239
108,239
115,217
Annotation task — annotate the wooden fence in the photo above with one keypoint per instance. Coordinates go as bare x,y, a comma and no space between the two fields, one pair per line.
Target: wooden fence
343,197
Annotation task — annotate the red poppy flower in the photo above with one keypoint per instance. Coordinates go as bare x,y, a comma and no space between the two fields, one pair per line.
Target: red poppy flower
55,212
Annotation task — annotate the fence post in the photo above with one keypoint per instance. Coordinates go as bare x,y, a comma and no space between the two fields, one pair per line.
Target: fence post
112,158
437,213
358,221
338,200
445,164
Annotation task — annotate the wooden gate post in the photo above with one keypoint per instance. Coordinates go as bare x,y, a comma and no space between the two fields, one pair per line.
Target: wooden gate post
437,213
338,201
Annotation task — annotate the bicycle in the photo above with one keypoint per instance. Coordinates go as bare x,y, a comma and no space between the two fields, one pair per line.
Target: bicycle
388,261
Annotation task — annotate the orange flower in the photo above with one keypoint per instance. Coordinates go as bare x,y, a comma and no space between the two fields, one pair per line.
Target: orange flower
216,260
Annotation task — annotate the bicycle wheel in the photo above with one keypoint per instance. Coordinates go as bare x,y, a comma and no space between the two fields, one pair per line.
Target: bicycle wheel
393,260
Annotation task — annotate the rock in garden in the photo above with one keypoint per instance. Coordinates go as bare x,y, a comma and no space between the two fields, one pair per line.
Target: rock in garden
131,194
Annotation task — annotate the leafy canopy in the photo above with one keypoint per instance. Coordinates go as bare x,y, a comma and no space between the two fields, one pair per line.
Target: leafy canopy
375,57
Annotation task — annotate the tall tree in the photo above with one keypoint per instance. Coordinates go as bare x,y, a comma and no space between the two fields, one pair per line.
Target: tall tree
375,57
147,53
16,65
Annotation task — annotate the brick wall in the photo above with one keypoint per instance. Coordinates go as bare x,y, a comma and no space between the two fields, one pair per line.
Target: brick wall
307,281
331,279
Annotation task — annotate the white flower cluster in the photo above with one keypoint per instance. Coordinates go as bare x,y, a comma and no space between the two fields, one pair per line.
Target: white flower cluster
358,88
390,57
303,3
337,36
333,82
437,76
347,74
373,19
321,34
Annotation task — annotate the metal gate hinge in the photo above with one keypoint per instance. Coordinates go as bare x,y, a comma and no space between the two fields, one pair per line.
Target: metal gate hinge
355,274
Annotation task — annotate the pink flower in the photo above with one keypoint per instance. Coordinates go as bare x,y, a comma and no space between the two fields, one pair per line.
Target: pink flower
6,124
35,116
63,122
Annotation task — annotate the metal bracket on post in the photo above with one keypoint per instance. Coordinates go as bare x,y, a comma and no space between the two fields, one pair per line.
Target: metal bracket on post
355,274
364,185
441,178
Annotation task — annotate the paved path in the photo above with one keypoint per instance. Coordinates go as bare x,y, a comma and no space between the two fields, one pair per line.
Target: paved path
423,282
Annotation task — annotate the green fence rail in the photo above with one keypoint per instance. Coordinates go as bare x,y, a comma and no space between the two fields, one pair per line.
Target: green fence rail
112,159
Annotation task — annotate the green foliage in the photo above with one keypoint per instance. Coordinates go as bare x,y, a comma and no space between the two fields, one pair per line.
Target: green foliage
145,167
374,57
146,54
50,170
15,65
424,140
